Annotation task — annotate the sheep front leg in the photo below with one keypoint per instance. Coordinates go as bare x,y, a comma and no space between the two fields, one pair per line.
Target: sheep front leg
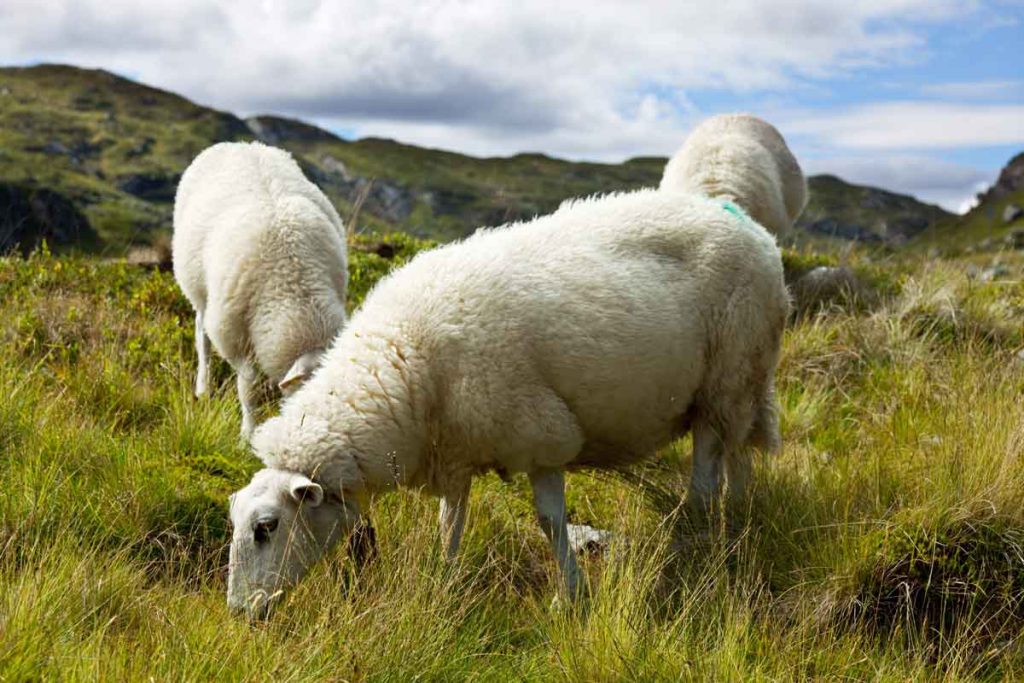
247,397
203,353
453,519
549,502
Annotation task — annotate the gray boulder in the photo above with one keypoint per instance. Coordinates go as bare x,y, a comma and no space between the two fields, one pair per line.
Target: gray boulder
1012,212
825,287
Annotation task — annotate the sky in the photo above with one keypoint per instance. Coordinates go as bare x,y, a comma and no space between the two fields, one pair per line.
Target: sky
918,96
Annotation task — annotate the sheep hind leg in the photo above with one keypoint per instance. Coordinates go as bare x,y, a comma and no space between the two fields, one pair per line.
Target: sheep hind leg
549,502
706,479
203,354
453,519
738,466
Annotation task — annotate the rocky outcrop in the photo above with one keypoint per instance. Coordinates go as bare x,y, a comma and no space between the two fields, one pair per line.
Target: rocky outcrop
1012,212
379,196
152,187
1011,179
847,211
30,215
275,130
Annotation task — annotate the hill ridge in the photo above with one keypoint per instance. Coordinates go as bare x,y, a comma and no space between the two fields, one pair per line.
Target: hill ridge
115,149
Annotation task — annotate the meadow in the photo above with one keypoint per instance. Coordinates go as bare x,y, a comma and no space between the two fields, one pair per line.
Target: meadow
885,541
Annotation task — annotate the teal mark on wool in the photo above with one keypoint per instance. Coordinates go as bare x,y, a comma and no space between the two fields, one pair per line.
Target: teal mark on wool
735,211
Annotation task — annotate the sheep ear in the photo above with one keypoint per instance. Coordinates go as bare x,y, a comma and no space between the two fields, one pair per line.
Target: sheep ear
299,372
295,376
306,491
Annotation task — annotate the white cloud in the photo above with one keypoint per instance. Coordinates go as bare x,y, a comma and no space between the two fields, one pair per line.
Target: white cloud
913,125
532,70
976,90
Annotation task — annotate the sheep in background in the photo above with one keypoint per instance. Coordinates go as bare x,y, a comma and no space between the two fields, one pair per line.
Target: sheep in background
587,338
742,158
261,254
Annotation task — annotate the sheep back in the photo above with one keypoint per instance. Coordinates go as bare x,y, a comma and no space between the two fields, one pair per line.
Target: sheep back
261,251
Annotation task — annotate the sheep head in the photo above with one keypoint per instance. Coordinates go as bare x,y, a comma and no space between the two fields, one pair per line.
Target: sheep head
283,523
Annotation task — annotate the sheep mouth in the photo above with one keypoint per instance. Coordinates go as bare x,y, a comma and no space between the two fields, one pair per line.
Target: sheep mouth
259,606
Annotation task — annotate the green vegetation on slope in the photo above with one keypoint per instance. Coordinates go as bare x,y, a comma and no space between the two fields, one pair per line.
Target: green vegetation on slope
986,225
115,149
883,543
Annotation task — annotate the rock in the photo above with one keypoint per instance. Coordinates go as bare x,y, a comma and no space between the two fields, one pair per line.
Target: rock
275,130
56,147
994,272
142,148
382,249
1011,179
155,258
332,165
825,286
1014,239
1019,356
587,540
1012,212
153,187
28,215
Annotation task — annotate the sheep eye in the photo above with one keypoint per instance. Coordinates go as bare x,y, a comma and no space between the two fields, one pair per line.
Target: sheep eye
262,530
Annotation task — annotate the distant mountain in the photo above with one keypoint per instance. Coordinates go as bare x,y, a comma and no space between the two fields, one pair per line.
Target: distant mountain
113,150
999,211
840,209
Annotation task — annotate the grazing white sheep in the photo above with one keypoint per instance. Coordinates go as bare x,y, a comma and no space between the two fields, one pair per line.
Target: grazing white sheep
587,338
261,254
742,158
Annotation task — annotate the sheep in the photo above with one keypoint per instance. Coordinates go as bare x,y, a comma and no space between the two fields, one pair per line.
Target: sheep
741,158
261,254
587,338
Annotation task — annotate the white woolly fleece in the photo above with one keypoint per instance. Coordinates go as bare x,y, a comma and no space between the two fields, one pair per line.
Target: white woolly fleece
745,159
260,251
589,337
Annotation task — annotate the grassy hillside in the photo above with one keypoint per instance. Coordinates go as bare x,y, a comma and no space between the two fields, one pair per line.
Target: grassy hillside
984,227
884,543
442,194
113,150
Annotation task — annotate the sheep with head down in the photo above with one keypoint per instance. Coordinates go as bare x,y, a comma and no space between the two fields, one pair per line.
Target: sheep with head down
587,338
260,253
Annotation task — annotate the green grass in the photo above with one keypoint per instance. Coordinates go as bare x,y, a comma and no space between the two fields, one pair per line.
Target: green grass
885,542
